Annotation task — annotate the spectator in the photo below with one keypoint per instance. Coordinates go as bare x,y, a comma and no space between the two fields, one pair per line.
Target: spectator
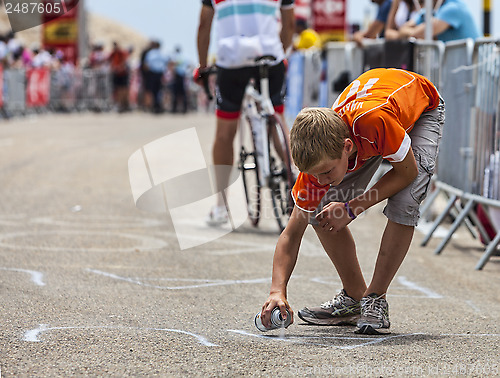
155,63
4,51
306,38
178,85
401,12
97,59
241,37
452,20
376,28
145,98
118,60
41,57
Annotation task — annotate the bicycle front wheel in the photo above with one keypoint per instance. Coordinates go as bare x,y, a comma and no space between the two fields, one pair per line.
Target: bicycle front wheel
281,179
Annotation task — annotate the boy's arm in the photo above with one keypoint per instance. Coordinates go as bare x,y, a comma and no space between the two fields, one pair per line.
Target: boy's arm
285,257
399,177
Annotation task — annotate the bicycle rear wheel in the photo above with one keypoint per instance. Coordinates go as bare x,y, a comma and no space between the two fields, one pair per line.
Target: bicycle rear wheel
249,168
281,179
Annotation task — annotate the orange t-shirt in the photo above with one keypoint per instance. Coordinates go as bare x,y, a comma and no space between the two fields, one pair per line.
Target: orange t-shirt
380,107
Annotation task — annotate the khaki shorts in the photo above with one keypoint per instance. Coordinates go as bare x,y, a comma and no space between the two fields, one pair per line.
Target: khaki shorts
404,206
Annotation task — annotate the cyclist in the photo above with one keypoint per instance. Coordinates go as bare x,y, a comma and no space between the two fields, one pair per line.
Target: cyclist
246,29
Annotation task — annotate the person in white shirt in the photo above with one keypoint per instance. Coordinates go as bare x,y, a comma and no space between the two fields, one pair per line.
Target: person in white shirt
246,29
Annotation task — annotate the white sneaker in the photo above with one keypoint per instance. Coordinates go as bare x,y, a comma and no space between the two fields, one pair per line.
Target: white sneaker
217,216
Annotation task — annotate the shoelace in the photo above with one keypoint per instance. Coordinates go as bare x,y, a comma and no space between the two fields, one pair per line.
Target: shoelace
372,306
340,298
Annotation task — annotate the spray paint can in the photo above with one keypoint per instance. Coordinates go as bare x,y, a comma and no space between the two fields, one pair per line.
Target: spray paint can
276,320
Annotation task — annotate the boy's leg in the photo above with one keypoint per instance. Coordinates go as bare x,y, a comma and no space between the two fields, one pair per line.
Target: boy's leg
340,247
393,248
403,212
344,308
341,250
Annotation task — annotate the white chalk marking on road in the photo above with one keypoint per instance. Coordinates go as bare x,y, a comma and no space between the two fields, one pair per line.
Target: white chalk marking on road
6,142
412,285
205,282
99,222
473,306
32,335
471,334
362,341
424,228
245,246
406,284
145,243
36,277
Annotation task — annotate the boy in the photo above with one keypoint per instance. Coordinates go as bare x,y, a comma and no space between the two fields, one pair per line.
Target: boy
388,114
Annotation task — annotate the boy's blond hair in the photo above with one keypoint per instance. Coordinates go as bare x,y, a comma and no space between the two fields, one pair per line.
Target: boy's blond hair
316,134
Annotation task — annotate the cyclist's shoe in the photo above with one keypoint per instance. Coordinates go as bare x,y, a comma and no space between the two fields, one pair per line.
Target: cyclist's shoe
341,310
374,318
217,216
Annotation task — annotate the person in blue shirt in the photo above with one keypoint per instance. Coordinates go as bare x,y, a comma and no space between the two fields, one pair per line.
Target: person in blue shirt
376,28
451,20
155,63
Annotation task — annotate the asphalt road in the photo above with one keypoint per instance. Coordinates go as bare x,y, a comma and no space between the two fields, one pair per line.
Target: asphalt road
92,285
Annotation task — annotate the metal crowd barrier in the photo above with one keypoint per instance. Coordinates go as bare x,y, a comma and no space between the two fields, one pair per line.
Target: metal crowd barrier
344,64
428,59
456,148
468,169
15,92
68,90
94,90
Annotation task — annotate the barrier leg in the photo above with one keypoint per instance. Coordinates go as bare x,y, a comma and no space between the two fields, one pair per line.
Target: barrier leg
480,227
460,218
439,219
488,252
429,201
467,222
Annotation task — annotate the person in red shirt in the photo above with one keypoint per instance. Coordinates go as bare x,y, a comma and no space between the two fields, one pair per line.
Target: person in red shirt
118,61
385,114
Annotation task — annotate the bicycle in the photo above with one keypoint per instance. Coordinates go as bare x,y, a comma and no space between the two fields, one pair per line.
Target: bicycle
264,159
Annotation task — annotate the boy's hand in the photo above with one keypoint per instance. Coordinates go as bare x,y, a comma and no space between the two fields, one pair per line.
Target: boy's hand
275,300
333,217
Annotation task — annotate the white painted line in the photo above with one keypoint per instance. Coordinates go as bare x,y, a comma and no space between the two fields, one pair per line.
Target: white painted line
412,285
99,222
360,340
424,228
144,243
473,306
205,282
32,335
36,277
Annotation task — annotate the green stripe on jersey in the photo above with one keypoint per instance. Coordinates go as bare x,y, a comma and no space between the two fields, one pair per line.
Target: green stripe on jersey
243,9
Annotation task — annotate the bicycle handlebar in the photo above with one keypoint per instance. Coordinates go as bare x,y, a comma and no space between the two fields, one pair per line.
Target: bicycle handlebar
203,76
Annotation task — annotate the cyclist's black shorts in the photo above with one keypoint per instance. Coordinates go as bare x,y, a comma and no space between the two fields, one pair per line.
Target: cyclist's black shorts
231,84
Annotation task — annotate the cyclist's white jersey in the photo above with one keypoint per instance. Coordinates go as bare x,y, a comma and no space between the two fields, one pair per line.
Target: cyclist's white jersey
246,29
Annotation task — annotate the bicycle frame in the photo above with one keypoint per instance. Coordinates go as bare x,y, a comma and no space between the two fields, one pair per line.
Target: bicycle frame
258,107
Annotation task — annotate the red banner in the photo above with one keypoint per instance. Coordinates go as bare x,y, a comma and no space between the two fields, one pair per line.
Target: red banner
303,9
37,87
61,32
329,16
